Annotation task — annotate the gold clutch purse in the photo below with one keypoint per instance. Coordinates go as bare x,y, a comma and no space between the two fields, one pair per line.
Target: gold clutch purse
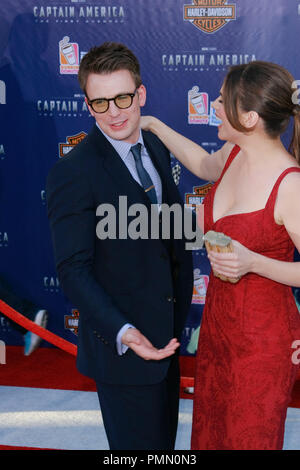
220,243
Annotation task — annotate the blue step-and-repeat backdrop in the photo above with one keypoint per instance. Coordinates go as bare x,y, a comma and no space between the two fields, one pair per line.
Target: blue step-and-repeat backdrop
184,47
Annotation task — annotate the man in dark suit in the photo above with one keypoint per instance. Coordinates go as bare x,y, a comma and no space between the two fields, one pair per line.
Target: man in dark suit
133,293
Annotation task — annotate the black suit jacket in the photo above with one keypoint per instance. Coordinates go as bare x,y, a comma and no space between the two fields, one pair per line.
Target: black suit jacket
146,282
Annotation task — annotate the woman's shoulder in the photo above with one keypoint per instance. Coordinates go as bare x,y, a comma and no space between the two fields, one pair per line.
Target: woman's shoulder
290,179
288,195
287,208
289,170
229,150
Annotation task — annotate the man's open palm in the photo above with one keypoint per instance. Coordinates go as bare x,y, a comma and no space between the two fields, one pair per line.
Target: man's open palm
136,341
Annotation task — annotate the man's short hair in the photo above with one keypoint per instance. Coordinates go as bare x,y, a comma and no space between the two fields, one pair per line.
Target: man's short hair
107,58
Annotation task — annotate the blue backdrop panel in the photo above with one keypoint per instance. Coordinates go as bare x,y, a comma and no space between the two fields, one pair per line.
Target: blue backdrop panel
184,47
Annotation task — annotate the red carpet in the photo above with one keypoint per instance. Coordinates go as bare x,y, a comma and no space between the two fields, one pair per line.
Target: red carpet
45,368
54,368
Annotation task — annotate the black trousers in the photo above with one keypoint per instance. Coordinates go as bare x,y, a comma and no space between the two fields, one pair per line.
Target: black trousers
142,417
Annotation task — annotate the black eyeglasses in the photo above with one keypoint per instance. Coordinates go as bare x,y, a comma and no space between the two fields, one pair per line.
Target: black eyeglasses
101,105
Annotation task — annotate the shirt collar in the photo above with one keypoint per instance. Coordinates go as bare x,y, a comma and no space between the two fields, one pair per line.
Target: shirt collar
121,147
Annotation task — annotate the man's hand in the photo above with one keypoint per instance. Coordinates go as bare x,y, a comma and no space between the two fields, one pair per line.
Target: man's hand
135,340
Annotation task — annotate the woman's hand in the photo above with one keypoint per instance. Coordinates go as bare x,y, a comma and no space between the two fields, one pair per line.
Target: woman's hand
235,264
147,122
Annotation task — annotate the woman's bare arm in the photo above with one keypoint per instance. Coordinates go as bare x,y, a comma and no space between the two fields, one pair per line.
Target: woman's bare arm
197,160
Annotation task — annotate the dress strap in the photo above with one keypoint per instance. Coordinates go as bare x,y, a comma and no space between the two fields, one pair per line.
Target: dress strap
273,196
229,160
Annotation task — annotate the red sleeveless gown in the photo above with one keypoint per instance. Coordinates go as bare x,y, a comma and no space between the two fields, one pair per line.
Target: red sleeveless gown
244,368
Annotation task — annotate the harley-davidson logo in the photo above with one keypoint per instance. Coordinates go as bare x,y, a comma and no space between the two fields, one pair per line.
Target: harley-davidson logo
71,321
71,141
196,198
209,15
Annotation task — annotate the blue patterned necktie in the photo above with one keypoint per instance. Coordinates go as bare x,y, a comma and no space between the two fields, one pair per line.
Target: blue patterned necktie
144,176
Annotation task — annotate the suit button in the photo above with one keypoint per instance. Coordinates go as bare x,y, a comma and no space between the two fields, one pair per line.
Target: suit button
169,299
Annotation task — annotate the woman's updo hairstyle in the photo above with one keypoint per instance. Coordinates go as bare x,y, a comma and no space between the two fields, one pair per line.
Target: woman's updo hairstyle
266,88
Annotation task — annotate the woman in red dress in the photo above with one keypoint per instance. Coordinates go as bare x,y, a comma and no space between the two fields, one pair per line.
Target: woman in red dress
244,367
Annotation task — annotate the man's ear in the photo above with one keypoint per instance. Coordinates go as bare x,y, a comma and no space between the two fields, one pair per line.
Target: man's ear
89,108
142,94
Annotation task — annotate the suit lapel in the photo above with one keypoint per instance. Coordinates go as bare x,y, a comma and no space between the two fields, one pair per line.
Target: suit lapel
170,191
163,168
122,177
117,169
125,183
